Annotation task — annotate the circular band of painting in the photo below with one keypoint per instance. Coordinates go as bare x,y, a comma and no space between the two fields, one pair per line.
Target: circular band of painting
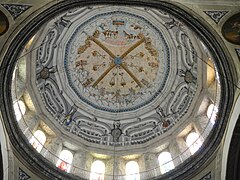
4,24
231,29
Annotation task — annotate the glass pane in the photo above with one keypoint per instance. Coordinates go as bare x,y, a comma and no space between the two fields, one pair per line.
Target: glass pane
193,142
38,140
65,160
97,170
20,109
212,113
165,162
132,171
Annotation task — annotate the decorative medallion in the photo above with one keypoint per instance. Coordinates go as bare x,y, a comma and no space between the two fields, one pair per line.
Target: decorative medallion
231,29
44,74
216,15
16,9
189,78
22,175
116,132
4,24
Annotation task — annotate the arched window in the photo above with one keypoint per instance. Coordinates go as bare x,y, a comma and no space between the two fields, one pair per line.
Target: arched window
193,142
132,171
19,109
97,170
38,140
165,162
65,160
212,113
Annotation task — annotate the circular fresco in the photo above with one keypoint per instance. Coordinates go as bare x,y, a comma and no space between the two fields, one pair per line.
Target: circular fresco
231,29
116,61
3,23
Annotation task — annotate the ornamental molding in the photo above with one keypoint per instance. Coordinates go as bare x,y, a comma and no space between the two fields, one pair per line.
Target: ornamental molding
216,15
16,9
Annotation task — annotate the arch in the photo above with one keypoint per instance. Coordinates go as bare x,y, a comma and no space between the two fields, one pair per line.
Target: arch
233,157
38,140
212,113
193,142
65,160
228,144
5,152
132,171
97,170
19,109
165,162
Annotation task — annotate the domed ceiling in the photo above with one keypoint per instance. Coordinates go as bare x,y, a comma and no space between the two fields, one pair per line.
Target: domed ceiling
116,83
116,74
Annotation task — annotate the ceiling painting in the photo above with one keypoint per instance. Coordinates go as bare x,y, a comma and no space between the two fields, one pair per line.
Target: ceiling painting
116,74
